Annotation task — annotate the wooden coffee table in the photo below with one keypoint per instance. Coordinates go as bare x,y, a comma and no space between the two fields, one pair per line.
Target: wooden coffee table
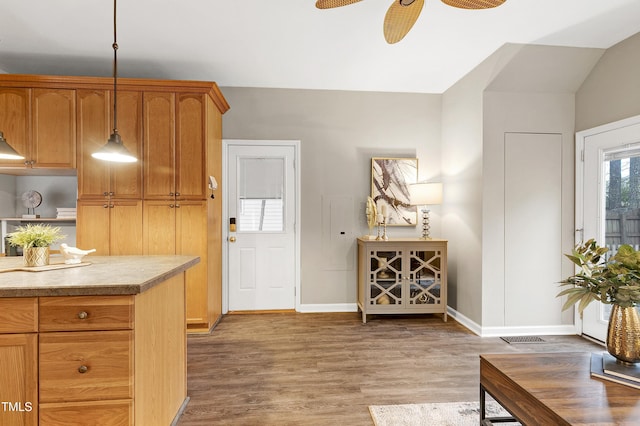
555,389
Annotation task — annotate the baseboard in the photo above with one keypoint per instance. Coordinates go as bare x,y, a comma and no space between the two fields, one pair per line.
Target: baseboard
328,307
542,330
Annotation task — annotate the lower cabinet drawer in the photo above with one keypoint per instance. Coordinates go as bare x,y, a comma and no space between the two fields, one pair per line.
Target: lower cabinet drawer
18,315
103,413
86,366
86,313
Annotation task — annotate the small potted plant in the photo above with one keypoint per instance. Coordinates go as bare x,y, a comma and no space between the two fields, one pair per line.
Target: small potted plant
35,240
614,281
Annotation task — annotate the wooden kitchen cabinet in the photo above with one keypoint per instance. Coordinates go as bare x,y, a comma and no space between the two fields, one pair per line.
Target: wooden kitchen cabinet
19,361
159,112
112,227
99,179
19,378
175,129
41,126
174,154
180,227
15,122
86,360
53,138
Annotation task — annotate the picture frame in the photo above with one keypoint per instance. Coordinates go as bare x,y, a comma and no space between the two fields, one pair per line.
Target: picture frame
390,180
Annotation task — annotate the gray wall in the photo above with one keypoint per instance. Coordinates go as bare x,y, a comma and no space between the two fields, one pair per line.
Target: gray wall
339,132
57,191
612,90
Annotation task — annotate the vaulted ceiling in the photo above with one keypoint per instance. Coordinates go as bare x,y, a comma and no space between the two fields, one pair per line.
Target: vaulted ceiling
291,43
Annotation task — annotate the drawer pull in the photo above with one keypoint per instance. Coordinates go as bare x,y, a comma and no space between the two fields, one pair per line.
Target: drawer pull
83,369
83,315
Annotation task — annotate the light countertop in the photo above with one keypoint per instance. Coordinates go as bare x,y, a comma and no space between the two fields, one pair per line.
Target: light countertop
105,275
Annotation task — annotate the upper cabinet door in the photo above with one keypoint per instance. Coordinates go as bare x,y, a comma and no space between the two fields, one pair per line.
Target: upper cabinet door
126,178
93,132
53,128
159,145
14,122
98,179
191,182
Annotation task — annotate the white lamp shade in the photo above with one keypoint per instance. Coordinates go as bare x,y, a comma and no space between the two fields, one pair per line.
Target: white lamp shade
422,194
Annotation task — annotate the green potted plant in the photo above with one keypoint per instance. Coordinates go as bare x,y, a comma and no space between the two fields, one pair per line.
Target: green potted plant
614,281
35,240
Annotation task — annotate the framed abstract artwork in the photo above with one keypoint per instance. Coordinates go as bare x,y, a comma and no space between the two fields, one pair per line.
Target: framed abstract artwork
390,180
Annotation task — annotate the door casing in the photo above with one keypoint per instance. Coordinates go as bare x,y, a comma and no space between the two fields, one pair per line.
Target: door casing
225,211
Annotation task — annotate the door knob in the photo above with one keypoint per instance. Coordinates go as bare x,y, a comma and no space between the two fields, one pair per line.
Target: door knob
232,239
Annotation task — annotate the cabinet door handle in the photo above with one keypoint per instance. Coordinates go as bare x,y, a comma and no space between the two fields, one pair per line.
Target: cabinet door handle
177,194
111,206
177,206
171,206
171,194
105,206
112,193
83,315
105,193
83,369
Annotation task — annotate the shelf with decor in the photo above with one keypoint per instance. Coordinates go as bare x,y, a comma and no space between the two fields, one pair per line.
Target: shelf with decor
402,276
4,221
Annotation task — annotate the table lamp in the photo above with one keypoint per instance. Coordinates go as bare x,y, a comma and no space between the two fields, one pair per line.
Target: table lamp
425,194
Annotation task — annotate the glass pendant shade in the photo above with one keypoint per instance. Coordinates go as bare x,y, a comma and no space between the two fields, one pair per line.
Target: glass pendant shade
6,151
115,151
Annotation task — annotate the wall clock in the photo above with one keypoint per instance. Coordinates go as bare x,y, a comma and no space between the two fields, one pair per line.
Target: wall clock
31,199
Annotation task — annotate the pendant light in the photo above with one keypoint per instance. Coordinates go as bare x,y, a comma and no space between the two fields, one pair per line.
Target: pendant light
6,152
114,150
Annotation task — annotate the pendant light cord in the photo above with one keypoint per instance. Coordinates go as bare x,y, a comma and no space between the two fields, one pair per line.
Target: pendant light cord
115,72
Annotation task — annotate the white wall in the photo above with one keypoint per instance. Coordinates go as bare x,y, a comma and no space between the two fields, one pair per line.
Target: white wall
524,97
522,113
339,133
462,169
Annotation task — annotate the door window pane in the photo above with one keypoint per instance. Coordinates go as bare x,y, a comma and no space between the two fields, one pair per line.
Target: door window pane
260,195
622,203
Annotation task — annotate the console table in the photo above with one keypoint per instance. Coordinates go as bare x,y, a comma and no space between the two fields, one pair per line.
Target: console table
555,389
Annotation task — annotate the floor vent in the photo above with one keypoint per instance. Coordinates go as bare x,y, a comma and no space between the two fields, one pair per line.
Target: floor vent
522,339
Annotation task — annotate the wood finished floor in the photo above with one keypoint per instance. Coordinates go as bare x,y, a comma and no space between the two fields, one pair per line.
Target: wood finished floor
326,369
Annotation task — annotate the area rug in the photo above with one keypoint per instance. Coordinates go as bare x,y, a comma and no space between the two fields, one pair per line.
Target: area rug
436,414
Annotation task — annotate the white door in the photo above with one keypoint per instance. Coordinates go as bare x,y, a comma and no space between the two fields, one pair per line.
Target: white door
261,227
607,200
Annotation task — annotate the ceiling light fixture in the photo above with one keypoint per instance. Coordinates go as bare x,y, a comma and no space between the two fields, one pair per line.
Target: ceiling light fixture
114,150
6,152
402,14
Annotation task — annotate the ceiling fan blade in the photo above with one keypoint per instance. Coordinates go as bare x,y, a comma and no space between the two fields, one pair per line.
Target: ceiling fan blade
400,18
329,4
474,4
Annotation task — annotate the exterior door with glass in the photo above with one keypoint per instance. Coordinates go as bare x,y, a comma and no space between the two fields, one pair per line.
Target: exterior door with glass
608,198
261,241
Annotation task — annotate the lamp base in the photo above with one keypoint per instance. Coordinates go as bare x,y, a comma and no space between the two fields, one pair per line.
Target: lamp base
425,225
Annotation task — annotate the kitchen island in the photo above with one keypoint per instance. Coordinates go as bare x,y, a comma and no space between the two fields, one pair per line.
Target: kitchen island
102,343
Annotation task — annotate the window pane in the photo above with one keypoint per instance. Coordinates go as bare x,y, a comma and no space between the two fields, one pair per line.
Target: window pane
622,192
260,193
